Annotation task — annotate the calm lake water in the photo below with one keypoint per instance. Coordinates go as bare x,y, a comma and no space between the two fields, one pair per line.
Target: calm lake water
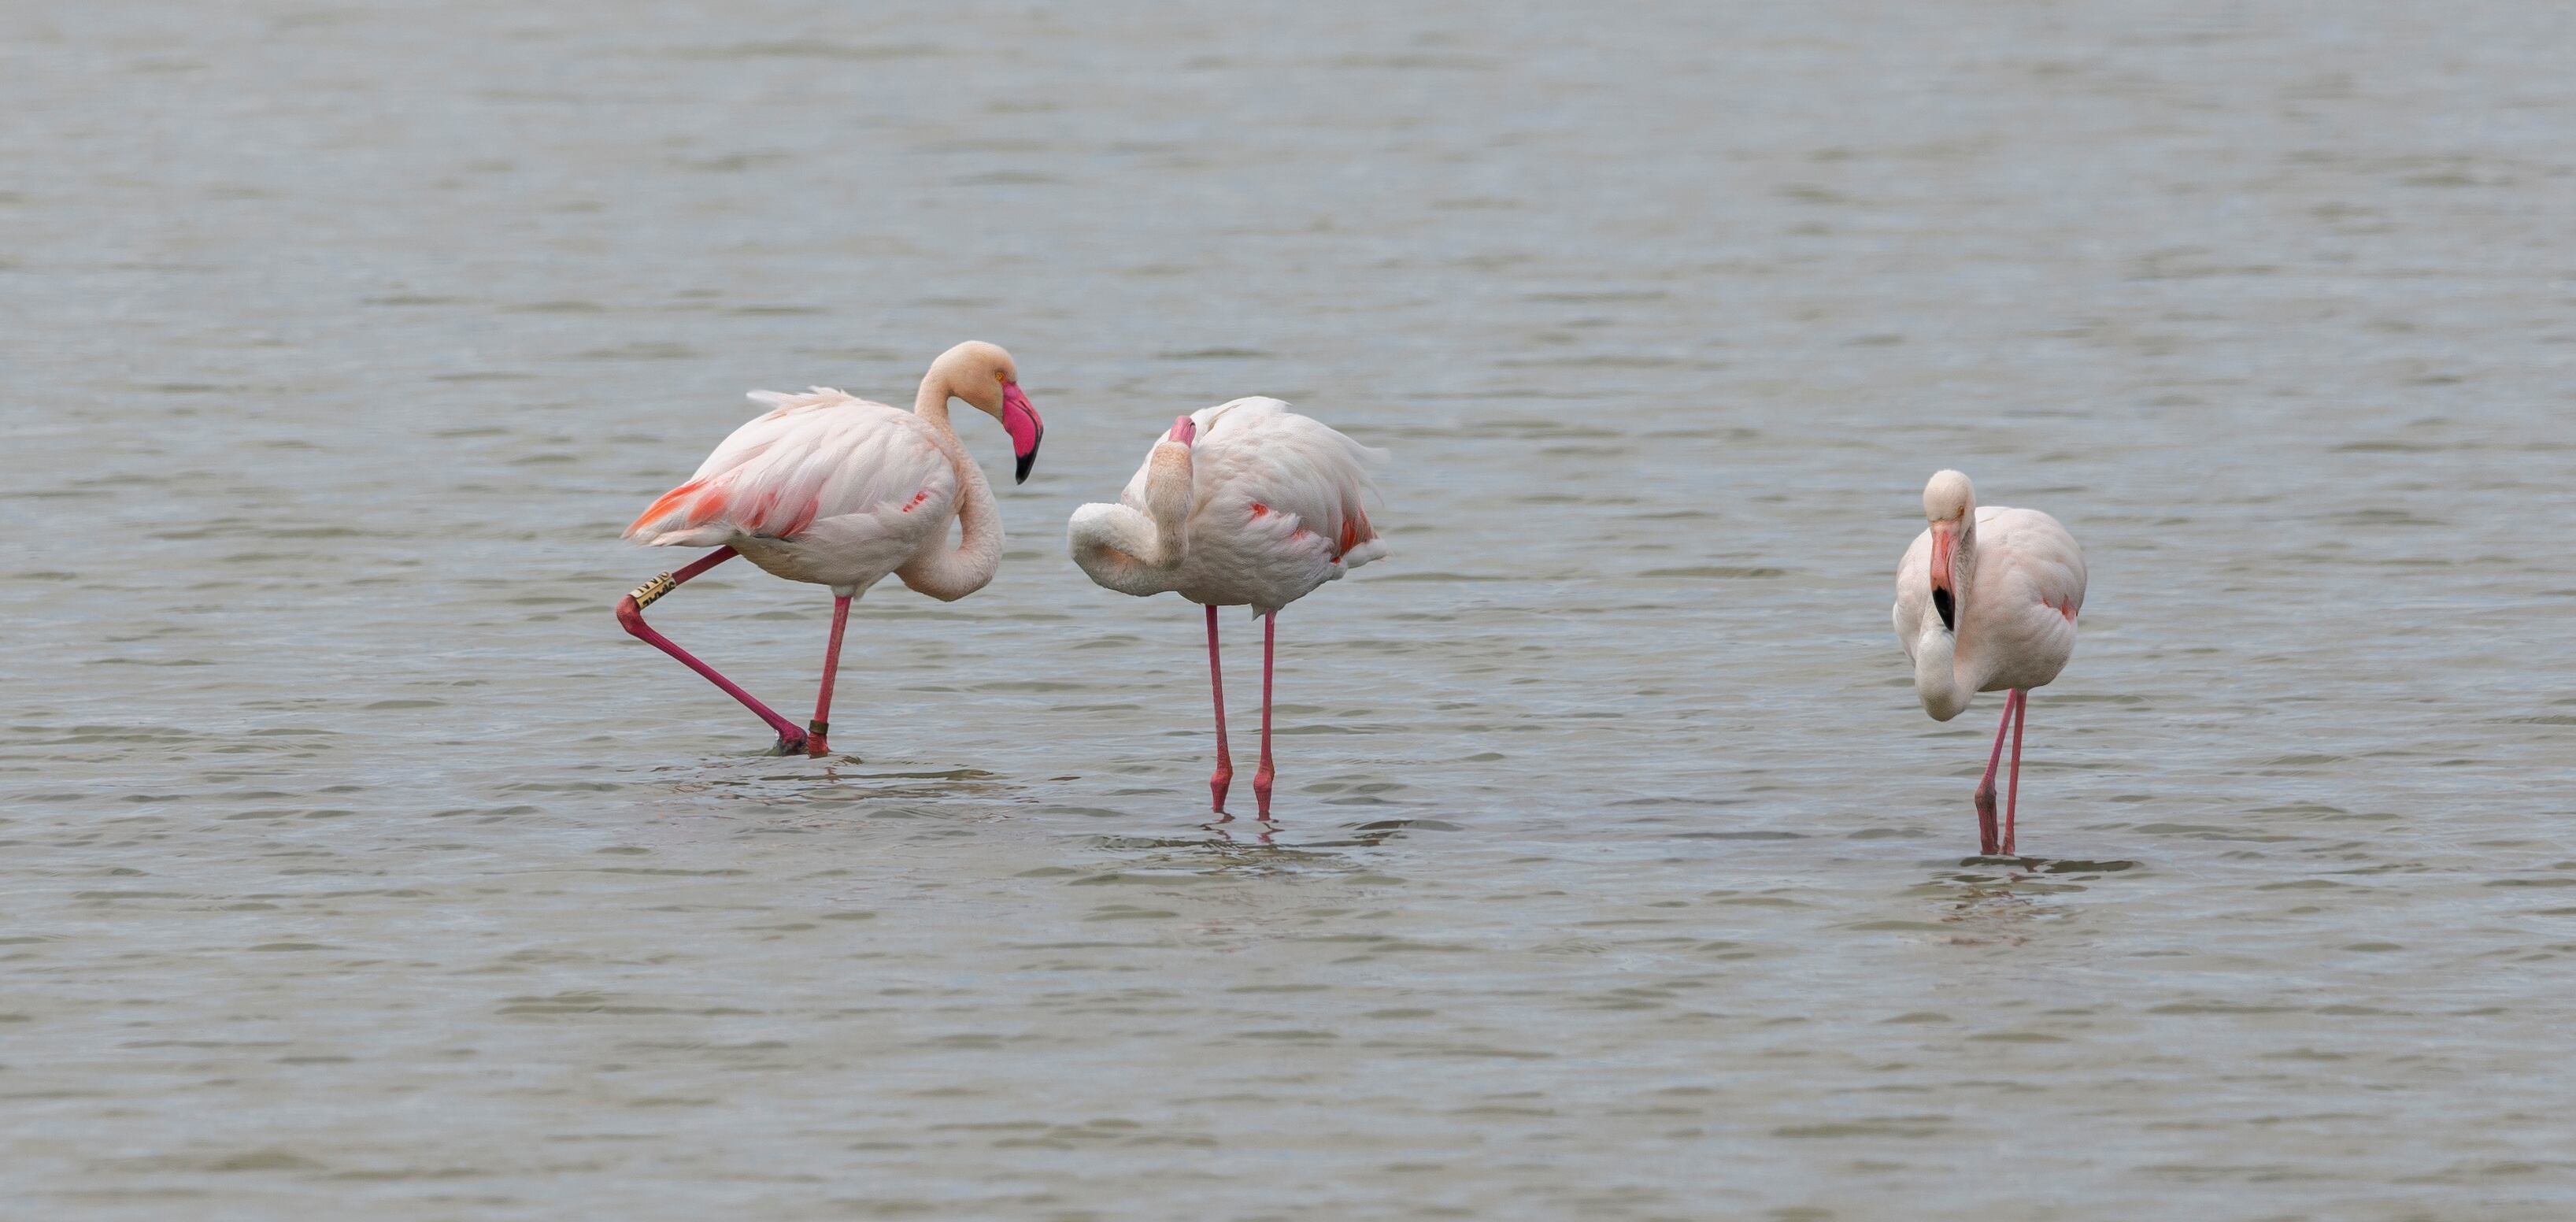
359,864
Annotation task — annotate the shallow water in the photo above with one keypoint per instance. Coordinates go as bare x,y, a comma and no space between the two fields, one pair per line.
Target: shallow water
357,860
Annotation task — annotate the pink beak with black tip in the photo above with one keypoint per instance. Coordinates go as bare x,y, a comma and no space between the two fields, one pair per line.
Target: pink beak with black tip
1943,565
1945,553
1026,430
1184,430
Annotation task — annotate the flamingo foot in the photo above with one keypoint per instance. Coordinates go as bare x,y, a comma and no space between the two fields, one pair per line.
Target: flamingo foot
1218,782
790,744
1261,790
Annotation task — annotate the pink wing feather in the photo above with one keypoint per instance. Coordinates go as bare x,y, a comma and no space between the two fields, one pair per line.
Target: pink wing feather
821,454
1255,452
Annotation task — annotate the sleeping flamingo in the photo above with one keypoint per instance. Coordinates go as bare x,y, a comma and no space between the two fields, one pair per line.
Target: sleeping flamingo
1242,503
840,491
1986,600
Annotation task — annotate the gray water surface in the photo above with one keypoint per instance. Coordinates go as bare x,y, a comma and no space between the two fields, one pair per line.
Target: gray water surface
358,864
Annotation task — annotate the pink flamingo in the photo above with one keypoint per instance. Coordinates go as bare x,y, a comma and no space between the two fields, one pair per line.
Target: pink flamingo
1986,600
839,491
1242,503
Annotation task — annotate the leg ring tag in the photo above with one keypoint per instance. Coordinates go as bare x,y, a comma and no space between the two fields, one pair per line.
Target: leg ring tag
647,593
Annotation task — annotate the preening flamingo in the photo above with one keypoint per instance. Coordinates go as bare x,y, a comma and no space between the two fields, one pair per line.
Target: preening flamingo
1244,503
1986,600
839,491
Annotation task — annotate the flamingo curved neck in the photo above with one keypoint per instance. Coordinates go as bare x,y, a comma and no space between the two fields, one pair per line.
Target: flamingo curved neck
1117,547
1937,682
1133,552
931,401
942,572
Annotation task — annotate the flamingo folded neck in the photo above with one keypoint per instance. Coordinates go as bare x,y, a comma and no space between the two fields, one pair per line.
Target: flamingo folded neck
1168,476
1117,547
1133,552
1936,673
947,573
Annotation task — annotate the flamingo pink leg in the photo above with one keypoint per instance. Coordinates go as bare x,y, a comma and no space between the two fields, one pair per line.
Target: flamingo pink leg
1223,778
630,614
1988,844
2012,792
1261,776
822,725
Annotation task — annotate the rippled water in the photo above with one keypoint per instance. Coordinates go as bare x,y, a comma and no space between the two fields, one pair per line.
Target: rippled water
357,860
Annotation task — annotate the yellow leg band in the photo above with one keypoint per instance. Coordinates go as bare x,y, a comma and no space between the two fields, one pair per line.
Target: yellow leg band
646,593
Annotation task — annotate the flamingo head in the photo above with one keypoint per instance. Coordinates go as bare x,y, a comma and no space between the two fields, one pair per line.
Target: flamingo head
984,375
1184,431
1950,505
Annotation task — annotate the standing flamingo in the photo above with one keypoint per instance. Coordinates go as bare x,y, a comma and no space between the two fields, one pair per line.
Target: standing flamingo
839,491
1242,503
2003,587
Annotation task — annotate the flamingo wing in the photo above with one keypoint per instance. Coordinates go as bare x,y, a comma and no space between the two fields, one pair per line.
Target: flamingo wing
2031,575
813,457
2030,586
2039,557
1263,468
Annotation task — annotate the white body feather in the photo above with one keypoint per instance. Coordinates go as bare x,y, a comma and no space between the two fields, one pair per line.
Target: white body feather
835,490
1276,508
2016,617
